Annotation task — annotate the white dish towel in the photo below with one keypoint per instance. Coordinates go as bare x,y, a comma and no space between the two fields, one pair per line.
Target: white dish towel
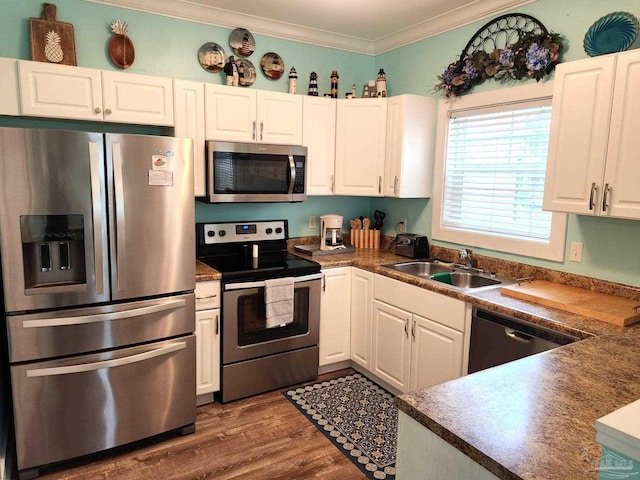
278,297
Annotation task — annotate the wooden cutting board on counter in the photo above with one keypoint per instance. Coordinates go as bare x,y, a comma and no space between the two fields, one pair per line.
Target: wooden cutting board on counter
600,306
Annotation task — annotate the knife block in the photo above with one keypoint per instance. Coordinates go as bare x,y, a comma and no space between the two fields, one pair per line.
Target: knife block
365,238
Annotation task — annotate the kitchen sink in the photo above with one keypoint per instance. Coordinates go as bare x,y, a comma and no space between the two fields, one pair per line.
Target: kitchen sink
456,277
466,279
419,269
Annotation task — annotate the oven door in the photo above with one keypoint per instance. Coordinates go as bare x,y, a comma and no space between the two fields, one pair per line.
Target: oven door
244,331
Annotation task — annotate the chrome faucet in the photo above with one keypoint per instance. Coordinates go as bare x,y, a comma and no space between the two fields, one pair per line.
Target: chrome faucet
465,257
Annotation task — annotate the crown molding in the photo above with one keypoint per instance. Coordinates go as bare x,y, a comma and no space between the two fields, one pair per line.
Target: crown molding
209,15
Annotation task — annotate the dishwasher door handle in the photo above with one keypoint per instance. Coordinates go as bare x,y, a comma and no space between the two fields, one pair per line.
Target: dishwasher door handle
517,336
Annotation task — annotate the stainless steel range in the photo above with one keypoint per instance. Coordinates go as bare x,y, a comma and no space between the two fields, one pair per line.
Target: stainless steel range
259,355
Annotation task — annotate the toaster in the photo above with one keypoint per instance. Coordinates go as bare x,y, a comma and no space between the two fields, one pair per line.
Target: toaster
412,245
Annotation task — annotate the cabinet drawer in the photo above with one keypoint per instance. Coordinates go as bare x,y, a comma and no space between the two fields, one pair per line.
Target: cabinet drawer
207,295
435,306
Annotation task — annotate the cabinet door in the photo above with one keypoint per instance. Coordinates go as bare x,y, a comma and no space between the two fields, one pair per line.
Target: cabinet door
60,91
188,109
319,136
361,126
582,97
361,316
140,99
335,316
279,118
410,143
207,351
9,100
623,168
391,345
436,353
230,113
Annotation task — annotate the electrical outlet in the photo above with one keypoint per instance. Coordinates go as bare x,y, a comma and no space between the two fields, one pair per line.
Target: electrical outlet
575,253
402,226
312,221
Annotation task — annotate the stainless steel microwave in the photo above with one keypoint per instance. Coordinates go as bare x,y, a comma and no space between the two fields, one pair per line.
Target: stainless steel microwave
254,172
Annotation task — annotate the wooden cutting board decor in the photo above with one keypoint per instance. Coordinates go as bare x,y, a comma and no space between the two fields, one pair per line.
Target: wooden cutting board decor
52,41
600,306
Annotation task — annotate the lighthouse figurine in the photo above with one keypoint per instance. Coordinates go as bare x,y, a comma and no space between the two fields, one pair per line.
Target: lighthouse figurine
381,84
334,84
313,84
293,79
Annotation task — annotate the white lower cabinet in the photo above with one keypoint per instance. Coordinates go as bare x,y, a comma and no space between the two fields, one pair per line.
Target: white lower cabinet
418,335
335,316
361,316
207,340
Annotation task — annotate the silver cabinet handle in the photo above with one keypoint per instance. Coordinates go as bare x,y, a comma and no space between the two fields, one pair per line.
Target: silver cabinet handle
261,130
103,317
333,184
253,135
97,110
207,297
406,327
217,324
96,213
121,253
108,111
605,196
395,185
594,189
117,362
413,330
380,184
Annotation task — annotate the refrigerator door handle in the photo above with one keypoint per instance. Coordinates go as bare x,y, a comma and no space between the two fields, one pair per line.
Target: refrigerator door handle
117,362
98,240
121,253
103,317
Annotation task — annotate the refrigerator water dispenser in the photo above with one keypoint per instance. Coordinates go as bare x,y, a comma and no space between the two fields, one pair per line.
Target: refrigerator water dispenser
52,250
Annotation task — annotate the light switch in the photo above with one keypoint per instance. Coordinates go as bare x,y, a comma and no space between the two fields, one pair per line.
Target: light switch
575,253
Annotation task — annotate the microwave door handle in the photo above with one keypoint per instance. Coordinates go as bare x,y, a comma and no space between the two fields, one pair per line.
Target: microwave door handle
96,212
292,168
121,254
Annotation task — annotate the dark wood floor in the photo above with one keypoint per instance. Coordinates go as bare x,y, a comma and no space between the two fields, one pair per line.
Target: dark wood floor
262,438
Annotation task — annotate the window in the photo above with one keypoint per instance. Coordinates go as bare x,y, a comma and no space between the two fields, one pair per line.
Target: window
491,171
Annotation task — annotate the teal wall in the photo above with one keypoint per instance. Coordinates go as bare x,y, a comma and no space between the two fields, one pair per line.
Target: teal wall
168,47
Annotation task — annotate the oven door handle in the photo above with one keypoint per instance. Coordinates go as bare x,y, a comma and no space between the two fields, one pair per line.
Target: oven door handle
260,284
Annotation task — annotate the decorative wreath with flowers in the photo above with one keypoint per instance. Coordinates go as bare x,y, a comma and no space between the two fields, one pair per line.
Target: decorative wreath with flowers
519,47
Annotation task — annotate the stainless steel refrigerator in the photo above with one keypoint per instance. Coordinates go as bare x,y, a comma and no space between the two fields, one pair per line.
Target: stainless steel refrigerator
98,272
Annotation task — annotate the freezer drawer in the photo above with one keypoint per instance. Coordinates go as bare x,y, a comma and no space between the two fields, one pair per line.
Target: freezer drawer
82,330
75,406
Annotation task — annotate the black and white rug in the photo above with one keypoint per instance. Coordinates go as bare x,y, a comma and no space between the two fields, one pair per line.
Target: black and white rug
358,416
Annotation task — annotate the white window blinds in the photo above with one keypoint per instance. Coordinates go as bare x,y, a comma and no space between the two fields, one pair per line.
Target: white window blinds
495,170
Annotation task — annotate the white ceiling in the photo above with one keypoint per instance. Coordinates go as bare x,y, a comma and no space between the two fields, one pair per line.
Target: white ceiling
363,26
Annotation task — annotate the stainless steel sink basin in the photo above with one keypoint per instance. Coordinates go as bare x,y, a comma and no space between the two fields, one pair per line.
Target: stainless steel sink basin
456,277
419,269
466,280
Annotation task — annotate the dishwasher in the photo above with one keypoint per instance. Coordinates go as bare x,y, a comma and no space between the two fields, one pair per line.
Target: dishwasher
498,339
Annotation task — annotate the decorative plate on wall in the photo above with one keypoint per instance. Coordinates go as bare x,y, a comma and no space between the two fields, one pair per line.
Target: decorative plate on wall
211,57
246,72
242,42
612,33
272,65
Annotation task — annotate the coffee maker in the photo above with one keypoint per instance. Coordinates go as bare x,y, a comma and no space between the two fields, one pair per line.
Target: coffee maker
331,232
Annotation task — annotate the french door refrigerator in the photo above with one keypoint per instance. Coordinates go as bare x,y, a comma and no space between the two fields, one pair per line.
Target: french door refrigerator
98,272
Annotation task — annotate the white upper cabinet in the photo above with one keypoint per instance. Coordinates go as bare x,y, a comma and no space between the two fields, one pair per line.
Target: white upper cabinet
60,91
592,166
238,114
9,100
360,146
319,136
63,91
410,144
132,98
188,108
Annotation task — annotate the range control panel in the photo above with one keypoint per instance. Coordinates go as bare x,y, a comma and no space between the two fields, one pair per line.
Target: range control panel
256,231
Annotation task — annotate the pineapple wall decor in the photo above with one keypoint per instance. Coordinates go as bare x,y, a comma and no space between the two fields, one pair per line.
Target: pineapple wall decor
52,41
121,48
